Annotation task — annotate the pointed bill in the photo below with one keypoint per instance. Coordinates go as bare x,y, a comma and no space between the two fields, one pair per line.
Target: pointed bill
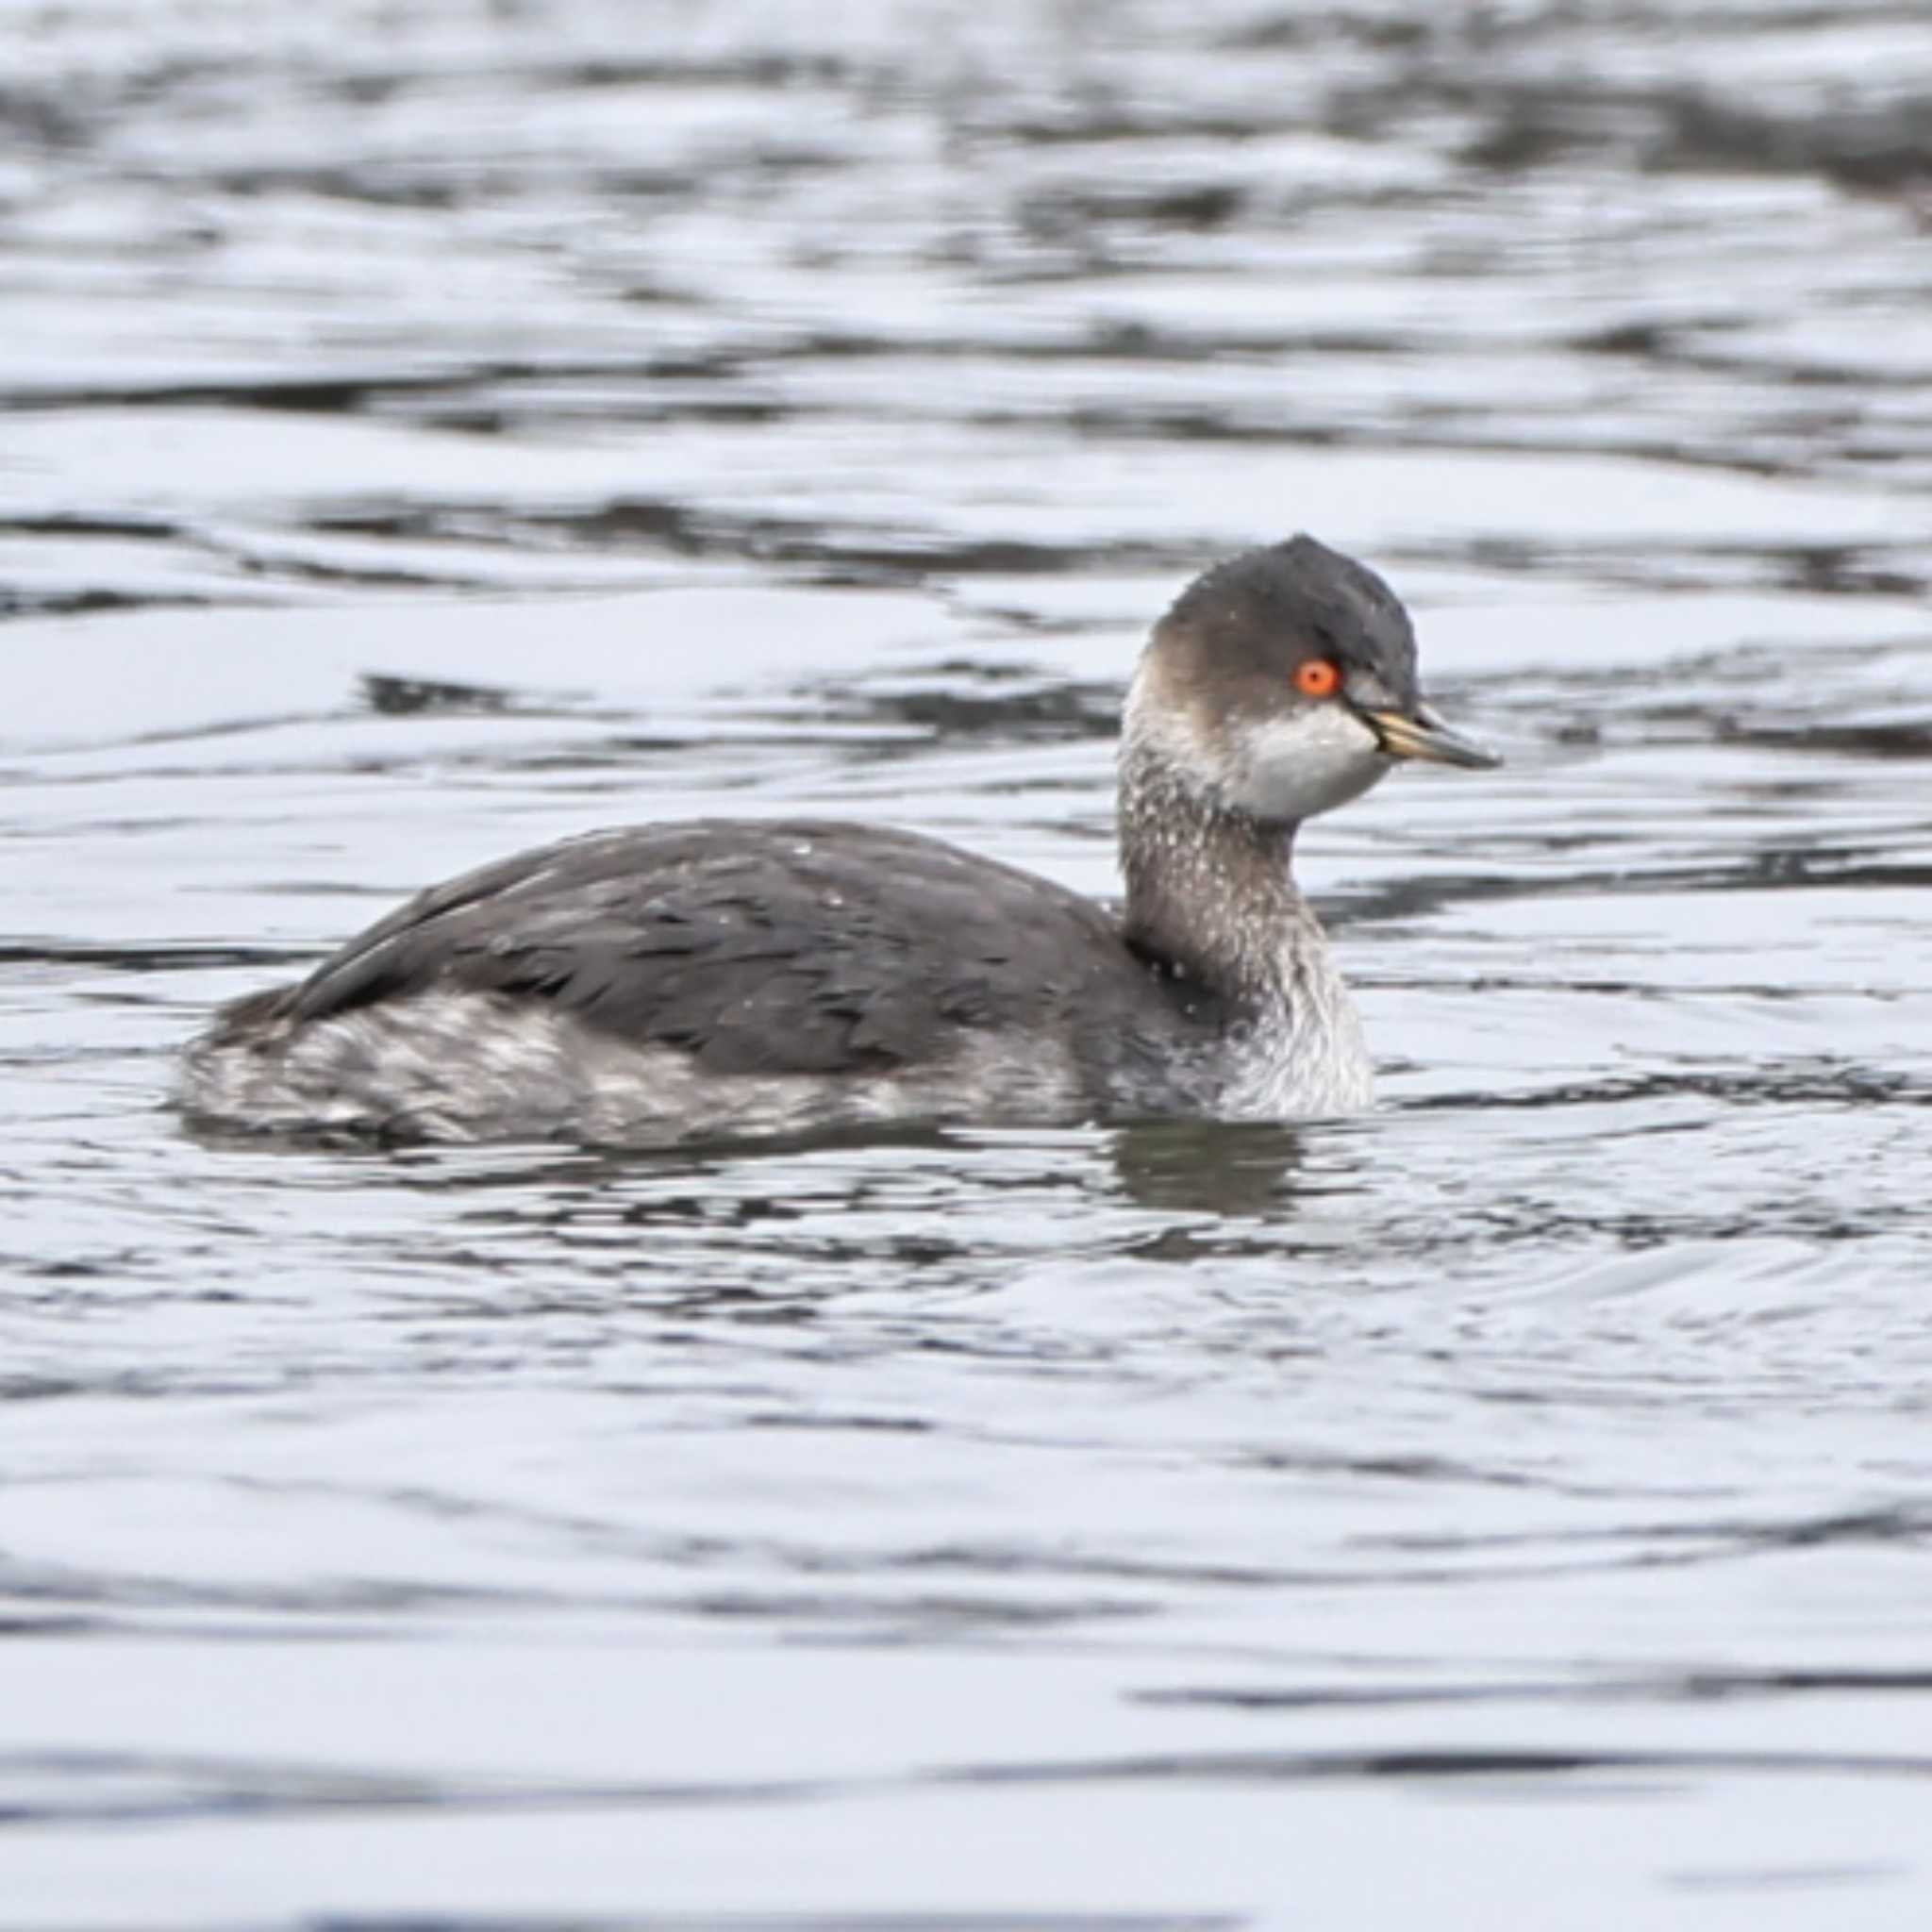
1421,734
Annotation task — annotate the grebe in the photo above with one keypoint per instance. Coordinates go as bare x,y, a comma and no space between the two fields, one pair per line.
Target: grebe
661,983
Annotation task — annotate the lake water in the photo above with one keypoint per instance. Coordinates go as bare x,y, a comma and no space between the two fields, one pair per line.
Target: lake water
428,430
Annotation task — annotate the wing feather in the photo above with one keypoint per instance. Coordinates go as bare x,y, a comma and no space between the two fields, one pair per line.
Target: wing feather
757,947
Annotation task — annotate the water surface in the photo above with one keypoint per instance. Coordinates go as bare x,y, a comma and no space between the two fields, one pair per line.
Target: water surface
426,432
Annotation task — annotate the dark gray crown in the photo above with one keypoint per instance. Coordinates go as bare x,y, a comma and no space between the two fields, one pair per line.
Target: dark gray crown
1268,610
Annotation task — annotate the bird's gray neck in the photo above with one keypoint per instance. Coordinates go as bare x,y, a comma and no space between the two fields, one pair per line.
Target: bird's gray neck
1209,890
1211,901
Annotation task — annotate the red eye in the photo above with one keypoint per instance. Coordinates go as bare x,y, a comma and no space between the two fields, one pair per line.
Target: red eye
1319,678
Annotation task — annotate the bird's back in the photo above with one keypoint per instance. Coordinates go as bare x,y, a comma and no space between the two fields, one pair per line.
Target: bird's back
827,970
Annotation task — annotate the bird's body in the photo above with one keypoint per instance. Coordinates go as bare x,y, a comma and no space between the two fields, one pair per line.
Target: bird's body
659,983
739,978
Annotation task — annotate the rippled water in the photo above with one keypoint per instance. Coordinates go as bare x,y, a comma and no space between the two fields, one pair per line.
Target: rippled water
424,431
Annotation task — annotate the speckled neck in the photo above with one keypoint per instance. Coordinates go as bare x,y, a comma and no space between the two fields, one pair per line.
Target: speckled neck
1211,898
1209,890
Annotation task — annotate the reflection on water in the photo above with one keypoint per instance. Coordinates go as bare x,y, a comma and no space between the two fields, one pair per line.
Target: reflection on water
429,432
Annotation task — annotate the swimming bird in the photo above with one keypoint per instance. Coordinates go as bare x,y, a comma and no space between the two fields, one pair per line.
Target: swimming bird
719,977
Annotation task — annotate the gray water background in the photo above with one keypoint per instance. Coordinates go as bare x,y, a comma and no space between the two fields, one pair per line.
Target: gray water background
427,430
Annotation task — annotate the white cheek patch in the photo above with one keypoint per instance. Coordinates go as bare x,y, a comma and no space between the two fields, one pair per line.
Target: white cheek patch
1292,767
